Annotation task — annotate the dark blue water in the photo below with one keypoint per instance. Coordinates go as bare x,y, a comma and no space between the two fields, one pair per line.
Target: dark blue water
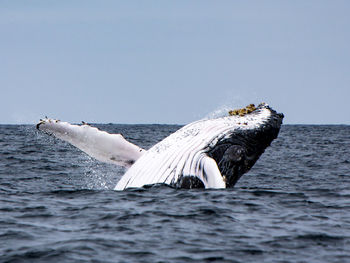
57,204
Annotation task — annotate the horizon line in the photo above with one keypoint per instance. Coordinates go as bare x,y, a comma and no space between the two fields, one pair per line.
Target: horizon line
113,123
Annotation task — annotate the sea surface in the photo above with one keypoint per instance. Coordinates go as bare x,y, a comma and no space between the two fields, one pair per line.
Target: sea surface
58,205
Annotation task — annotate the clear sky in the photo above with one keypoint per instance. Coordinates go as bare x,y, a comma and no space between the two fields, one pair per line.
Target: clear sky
173,61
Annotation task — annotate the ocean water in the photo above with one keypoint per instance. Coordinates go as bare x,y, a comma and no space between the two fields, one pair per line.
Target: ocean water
57,204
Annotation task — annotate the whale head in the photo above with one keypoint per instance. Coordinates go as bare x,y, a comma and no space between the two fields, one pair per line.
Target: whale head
239,148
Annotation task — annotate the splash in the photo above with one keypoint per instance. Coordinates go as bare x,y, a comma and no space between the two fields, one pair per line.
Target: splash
221,111
101,176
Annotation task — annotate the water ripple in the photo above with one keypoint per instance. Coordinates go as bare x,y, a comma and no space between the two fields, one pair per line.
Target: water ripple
57,204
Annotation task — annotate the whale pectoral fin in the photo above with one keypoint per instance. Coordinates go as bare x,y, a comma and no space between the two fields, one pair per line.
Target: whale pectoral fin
103,146
211,176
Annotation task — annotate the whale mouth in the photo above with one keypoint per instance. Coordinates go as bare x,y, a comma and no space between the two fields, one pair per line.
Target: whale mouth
237,153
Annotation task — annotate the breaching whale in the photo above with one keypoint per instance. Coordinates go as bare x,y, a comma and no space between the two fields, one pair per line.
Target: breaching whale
209,153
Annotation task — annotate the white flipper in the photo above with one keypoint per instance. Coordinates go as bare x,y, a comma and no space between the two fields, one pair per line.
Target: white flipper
211,177
103,146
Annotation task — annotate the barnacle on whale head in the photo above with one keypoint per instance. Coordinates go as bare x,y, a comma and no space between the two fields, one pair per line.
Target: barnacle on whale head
243,111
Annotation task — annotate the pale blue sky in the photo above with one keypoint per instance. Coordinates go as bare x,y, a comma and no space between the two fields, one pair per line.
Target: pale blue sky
173,61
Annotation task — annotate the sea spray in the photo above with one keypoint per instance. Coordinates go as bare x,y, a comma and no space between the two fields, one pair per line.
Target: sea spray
101,176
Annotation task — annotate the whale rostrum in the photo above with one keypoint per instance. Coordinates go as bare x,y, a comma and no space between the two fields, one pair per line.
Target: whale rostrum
209,153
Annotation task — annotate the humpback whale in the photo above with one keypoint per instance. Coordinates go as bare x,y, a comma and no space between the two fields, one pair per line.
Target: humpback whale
209,153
